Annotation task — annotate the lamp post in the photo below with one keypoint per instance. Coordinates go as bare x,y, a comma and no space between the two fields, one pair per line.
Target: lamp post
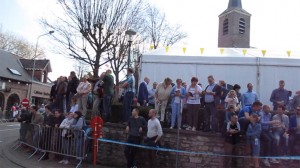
33,69
130,33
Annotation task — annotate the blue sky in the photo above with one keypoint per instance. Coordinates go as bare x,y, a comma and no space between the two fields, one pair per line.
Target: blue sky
275,24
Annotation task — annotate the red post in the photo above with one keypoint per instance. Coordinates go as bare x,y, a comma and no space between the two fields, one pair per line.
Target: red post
96,125
95,144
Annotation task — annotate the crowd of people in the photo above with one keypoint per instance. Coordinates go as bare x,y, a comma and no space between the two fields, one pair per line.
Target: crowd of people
274,132
194,107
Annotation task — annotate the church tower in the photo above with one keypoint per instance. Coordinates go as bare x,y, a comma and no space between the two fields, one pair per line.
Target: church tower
234,26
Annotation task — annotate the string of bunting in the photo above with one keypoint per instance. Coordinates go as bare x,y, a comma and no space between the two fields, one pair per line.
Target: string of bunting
222,50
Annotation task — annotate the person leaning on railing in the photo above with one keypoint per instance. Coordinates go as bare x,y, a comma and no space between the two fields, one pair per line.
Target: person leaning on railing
78,125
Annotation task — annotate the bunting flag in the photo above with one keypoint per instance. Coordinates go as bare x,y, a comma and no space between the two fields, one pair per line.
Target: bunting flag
184,49
263,52
167,48
244,52
289,53
222,51
201,50
151,47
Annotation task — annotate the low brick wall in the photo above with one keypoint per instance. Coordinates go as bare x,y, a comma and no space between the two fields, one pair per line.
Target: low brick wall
113,154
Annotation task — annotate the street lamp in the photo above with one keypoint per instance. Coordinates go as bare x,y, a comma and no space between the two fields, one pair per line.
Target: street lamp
35,52
130,33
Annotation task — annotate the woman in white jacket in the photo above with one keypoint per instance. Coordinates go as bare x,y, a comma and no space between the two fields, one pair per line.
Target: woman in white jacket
232,99
66,125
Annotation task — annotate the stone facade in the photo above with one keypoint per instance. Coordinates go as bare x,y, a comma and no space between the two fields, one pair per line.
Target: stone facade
14,91
113,154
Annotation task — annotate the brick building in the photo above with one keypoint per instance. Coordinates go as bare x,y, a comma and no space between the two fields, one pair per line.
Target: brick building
15,81
234,26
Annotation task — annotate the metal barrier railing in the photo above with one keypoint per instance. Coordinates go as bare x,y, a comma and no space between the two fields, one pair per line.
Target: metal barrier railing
62,141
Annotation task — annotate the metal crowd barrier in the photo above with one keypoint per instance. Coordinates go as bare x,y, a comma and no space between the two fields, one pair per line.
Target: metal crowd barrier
62,141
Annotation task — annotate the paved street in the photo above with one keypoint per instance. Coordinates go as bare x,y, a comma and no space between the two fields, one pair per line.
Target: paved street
18,158
8,134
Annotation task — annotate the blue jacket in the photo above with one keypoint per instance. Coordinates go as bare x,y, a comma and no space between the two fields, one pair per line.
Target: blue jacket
254,131
182,90
143,92
293,123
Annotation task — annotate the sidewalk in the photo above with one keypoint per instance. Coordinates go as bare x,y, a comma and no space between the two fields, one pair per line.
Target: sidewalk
20,158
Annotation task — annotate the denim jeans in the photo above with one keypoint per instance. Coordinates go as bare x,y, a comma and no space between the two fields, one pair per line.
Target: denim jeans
176,113
210,117
106,107
278,135
267,141
127,102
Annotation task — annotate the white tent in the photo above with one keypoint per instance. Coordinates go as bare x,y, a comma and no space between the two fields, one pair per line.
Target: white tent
234,66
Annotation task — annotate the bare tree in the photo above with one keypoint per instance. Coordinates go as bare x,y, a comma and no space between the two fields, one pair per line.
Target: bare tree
86,30
81,68
159,31
19,46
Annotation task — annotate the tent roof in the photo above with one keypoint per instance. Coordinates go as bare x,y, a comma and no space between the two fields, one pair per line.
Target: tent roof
217,52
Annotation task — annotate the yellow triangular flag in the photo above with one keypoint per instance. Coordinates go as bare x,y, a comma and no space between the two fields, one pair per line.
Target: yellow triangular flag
244,52
167,48
201,50
222,51
289,53
151,47
263,52
184,49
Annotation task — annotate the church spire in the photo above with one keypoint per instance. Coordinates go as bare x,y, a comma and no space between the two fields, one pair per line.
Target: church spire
235,4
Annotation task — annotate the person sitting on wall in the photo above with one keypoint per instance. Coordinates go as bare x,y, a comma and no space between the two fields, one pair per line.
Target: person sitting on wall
246,112
280,129
294,130
266,134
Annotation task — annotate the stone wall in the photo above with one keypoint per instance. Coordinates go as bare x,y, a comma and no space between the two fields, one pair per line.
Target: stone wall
113,154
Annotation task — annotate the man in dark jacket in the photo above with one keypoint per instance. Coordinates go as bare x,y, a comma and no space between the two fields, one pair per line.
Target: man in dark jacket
143,92
24,119
72,86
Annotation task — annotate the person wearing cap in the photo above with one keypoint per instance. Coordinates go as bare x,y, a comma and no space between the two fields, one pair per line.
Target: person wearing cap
83,90
129,86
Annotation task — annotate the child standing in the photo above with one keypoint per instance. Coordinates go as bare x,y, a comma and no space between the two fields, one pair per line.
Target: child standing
232,138
253,134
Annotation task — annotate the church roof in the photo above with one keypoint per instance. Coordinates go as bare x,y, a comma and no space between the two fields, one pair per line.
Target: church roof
235,5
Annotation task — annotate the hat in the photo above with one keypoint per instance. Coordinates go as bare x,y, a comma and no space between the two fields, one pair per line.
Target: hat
86,76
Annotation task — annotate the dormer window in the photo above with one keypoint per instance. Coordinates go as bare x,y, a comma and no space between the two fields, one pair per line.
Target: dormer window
225,27
242,26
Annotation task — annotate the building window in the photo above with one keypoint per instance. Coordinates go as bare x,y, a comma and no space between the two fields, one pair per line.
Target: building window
225,27
14,72
242,26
